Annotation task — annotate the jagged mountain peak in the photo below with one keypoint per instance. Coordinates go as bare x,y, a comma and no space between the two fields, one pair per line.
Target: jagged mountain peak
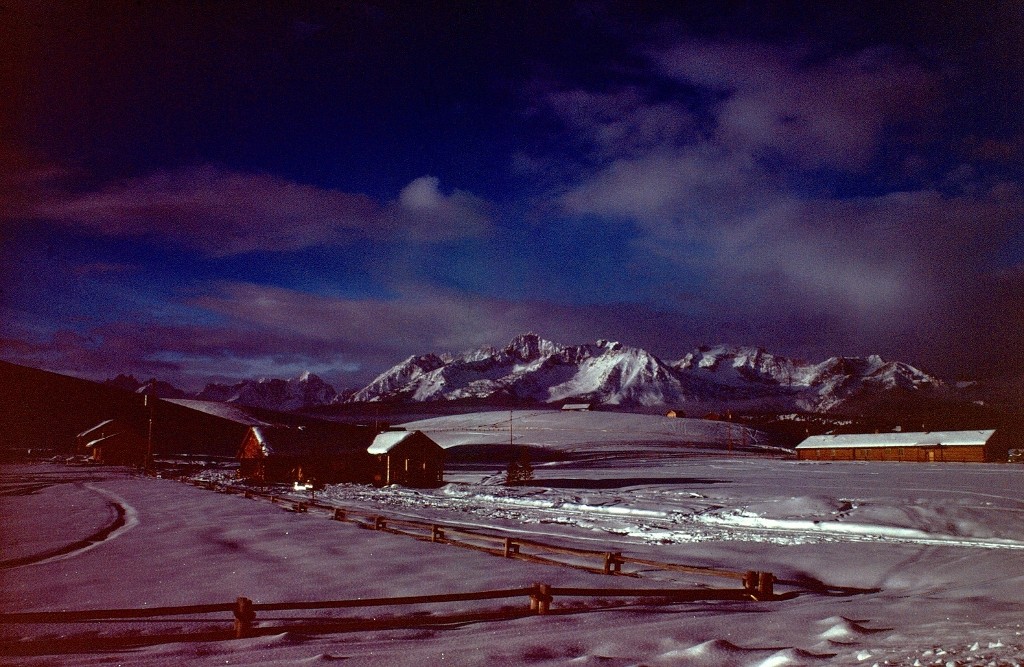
530,346
304,391
532,368
152,386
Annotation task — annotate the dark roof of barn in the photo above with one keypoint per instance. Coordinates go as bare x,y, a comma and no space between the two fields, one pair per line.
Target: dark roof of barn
100,441
94,428
301,441
240,414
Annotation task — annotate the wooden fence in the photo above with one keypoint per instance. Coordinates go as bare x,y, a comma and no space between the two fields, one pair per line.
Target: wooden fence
607,562
245,615
753,586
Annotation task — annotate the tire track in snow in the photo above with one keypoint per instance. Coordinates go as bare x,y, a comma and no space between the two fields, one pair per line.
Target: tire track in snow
125,518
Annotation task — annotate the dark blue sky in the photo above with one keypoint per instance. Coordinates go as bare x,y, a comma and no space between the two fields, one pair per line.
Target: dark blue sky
226,190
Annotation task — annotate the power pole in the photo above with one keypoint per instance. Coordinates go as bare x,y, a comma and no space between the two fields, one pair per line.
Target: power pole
148,402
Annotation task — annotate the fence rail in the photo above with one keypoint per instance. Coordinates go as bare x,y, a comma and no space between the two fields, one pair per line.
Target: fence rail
755,586
244,611
611,562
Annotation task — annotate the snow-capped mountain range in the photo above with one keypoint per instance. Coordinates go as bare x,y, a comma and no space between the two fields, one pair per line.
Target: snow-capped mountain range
307,390
532,369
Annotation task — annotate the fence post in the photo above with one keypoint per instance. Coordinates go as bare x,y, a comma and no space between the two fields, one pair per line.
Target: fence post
436,533
339,514
511,548
750,581
244,617
379,523
300,507
612,562
765,585
541,599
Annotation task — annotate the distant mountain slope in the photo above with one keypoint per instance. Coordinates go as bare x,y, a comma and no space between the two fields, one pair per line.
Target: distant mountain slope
530,368
748,371
154,387
533,370
305,391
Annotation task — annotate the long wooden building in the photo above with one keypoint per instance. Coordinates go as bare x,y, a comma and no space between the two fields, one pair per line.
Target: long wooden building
927,447
323,453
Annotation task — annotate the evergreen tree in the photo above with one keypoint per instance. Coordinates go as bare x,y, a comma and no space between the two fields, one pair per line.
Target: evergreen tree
519,470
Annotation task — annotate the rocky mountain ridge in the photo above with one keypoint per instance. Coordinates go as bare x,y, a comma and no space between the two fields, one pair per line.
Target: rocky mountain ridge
531,369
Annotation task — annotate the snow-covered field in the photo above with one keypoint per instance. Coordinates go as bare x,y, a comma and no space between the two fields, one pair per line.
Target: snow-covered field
885,563
576,434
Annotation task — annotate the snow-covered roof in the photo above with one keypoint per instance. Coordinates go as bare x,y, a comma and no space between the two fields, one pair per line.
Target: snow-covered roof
99,441
388,440
284,440
93,428
223,410
925,439
576,406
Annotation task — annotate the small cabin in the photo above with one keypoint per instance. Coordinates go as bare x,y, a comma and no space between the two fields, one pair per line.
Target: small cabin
675,414
409,458
576,407
273,454
927,447
113,442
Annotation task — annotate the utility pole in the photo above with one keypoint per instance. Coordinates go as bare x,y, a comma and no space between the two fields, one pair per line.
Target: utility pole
148,402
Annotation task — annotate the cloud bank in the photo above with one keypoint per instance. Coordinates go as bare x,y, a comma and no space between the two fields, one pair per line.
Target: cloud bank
223,212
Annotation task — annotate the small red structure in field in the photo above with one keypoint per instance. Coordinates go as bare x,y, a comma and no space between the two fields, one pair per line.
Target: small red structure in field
409,458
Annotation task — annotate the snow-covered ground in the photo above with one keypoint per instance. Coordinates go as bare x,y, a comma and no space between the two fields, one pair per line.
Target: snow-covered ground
570,433
885,563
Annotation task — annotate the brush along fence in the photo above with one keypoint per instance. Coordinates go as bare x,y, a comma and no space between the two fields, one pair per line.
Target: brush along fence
246,615
608,562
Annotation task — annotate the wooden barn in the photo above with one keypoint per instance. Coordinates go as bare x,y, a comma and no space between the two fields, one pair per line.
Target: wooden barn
409,458
113,442
192,427
319,454
928,447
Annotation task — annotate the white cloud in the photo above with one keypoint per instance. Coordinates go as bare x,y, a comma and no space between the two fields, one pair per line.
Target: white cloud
225,212
825,113
424,213
689,186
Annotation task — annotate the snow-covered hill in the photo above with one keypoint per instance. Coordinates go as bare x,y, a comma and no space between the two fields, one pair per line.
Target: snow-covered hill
534,369
583,433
